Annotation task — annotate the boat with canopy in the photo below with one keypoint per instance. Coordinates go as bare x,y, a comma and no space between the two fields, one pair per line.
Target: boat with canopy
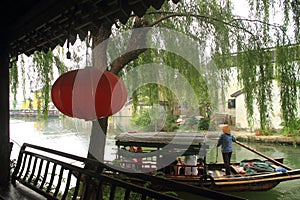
182,157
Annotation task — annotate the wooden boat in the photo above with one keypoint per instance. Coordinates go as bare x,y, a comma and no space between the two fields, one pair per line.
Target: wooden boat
268,174
258,181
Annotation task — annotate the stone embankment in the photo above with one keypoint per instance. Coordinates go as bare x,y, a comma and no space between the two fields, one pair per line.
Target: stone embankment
244,136
276,139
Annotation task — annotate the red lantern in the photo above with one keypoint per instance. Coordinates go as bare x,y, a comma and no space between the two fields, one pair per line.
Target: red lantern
88,93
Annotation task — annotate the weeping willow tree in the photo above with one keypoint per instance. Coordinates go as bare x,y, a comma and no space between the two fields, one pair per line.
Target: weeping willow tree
37,74
267,56
264,53
171,92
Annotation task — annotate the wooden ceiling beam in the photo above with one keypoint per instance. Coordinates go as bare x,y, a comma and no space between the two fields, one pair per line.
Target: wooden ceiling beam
43,12
53,21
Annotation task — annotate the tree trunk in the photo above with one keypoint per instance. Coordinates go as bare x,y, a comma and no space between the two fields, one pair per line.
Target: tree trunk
96,152
100,45
99,127
98,139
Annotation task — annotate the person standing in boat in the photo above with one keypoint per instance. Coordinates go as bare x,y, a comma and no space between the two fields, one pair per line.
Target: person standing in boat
226,139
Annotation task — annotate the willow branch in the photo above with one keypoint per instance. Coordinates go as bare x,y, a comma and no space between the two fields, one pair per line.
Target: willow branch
258,21
124,59
130,55
136,46
207,18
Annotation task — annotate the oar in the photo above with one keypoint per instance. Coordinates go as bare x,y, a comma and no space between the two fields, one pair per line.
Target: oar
262,155
217,151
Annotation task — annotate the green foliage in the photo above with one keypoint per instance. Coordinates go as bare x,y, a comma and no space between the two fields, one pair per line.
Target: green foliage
22,66
172,193
149,119
39,75
204,124
43,64
191,122
119,193
170,123
261,51
143,120
292,129
14,82
264,54
287,77
253,38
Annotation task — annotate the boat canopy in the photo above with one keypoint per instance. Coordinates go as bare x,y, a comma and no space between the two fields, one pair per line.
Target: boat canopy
189,141
162,137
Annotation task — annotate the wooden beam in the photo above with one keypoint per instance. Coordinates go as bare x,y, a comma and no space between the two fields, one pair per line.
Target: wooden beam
4,115
39,14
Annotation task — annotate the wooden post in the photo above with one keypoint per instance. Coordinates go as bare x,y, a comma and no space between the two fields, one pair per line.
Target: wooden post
4,116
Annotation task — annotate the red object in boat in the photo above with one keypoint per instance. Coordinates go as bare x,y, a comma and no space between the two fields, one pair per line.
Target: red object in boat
88,93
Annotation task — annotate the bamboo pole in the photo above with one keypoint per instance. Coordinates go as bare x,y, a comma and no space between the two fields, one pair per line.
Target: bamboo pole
263,155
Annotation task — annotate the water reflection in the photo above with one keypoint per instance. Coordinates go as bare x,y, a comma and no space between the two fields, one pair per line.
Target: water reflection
72,136
64,135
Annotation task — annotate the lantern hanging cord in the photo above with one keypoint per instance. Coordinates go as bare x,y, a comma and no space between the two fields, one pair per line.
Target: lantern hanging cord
68,40
87,56
69,32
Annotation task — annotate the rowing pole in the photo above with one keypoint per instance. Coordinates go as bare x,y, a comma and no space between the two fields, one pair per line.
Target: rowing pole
217,151
263,155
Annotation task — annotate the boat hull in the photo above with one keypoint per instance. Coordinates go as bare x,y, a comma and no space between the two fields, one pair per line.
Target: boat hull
216,180
239,183
230,185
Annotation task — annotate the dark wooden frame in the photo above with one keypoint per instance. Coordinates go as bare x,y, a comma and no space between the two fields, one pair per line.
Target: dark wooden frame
34,169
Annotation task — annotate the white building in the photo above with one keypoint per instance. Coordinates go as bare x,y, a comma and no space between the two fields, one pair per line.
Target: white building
238,112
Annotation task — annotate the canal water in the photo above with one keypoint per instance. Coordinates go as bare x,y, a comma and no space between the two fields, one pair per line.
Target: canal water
72,136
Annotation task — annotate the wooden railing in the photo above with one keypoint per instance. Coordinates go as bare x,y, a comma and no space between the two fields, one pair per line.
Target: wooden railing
58,175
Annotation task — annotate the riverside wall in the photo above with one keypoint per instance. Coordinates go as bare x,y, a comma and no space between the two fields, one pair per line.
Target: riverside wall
244,136
275,139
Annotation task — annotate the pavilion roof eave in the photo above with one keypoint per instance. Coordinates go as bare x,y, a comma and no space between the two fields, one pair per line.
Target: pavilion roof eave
46,24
